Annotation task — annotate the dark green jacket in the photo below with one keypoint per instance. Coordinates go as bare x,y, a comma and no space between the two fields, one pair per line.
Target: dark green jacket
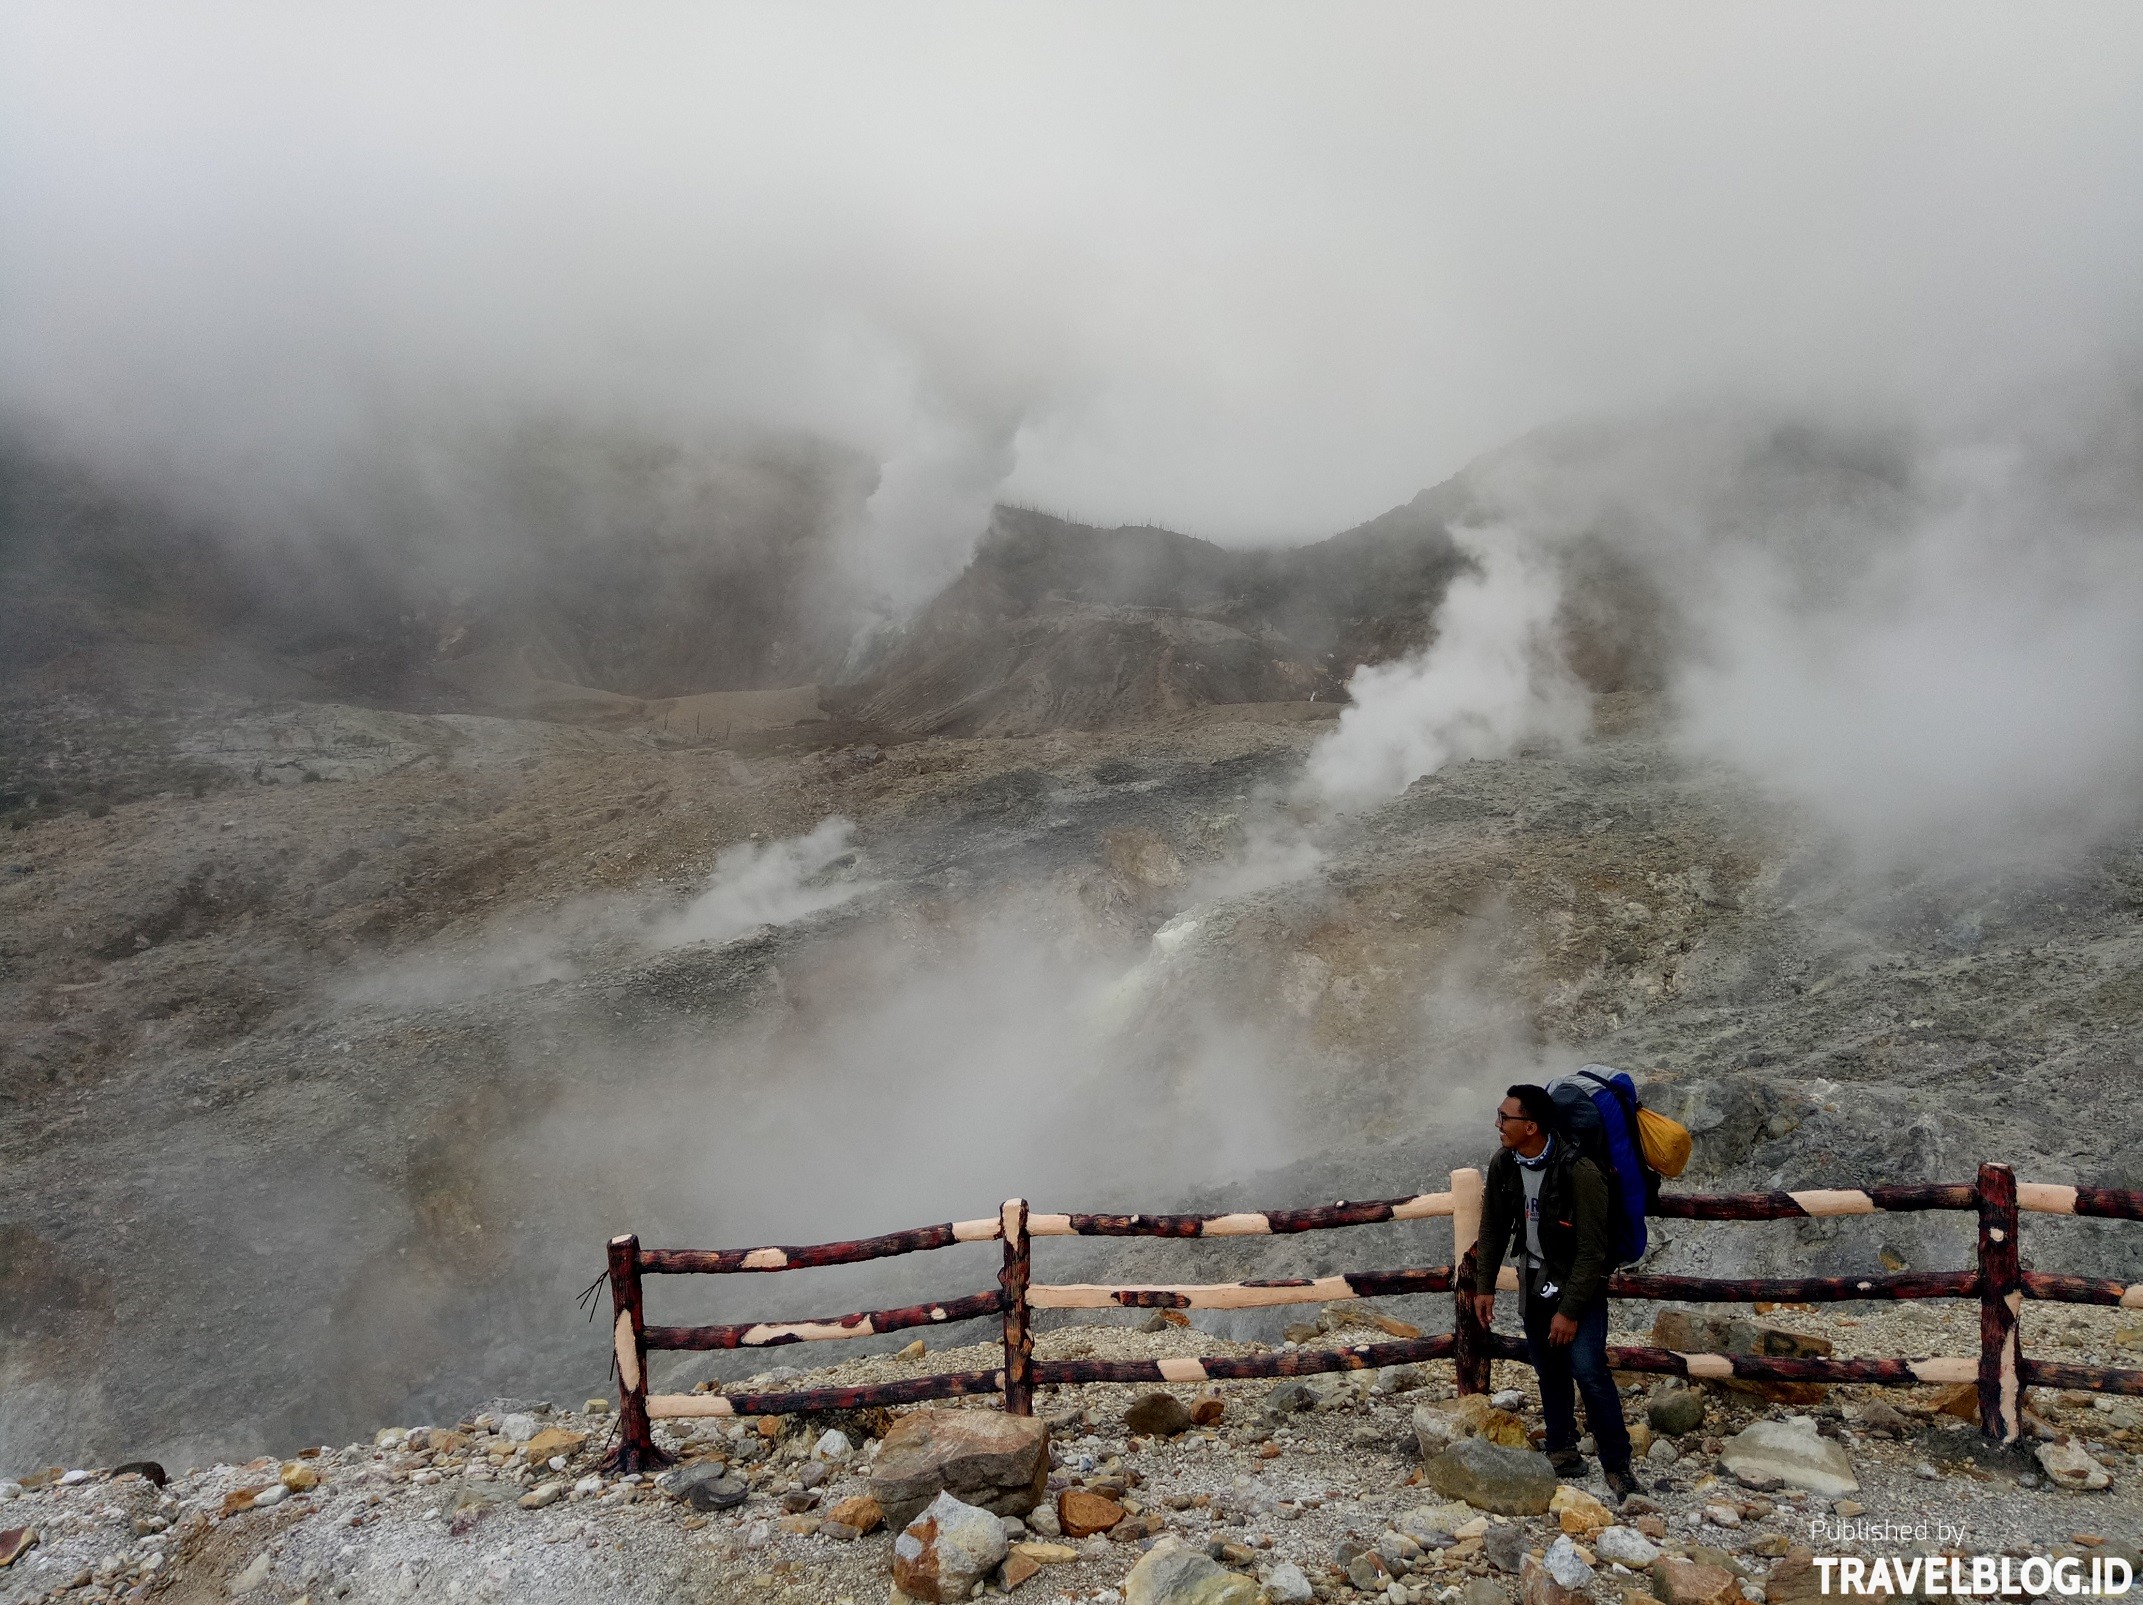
1575,1229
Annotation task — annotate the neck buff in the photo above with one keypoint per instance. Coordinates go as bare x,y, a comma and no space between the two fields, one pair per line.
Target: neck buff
1539,1159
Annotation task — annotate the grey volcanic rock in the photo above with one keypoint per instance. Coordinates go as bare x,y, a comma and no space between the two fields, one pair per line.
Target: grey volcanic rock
1509,1482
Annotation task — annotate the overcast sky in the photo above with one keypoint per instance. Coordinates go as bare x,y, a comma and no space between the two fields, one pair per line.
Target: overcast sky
1258,272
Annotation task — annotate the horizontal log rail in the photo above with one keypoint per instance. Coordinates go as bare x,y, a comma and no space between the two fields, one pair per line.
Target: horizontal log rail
1999,1283
2060,1289
863,1323
1766,1368
1813,1202
2107,1203
2085,1378
1795,1289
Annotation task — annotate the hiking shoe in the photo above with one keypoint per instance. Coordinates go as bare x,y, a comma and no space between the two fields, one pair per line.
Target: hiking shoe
1567,1462
1621,1484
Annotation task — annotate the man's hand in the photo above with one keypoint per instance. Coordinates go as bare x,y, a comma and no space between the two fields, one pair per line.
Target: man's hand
1484,1307
1562,1331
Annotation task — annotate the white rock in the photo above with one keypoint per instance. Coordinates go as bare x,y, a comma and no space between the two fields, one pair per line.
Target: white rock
10,1490
274,1494
944,1552
1508,1399
834,1445
1662,1453
2070,1467
1627,1546
75,1478
1285,1584
1173,1572
1565,1565
517,1427
547,1494
1722,1515
255,1574
1793,1452
590,1484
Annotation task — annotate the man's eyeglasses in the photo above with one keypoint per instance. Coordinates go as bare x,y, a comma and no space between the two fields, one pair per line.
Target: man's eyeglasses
1503,1119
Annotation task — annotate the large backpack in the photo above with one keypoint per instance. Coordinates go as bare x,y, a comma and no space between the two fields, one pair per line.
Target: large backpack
1596,1108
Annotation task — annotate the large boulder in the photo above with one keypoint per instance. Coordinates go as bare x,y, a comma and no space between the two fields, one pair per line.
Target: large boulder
1509,1482
1173,1573
1439,1425
986,1458
943,1553
1791,1452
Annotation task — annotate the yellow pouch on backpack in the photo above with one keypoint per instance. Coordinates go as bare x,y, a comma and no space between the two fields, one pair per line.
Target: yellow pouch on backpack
1665,1142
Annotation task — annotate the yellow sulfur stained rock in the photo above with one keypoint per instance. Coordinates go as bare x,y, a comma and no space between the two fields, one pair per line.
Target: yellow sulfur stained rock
1580,1515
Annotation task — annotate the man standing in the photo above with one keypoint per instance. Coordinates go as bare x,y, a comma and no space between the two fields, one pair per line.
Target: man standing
1547,1208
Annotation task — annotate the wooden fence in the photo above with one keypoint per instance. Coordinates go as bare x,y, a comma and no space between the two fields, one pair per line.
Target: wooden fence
1999,1283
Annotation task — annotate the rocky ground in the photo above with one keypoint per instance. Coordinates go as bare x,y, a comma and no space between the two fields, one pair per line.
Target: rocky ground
322,1096
1310,1475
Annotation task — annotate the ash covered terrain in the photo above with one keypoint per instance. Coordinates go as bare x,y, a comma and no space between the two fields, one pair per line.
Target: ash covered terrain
377,938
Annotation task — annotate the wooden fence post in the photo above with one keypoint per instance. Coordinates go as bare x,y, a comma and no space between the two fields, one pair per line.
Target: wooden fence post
1469,1345
2000,1297
1019,1336
636,1449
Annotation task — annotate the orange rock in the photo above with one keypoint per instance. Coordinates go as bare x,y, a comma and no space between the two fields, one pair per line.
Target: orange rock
1017,1569
552,1441
1961,1401
1689,1582
861,1513
1207,1411
1082,1514
240,1499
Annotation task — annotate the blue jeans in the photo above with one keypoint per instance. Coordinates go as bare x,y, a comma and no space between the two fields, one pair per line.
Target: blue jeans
1583,1361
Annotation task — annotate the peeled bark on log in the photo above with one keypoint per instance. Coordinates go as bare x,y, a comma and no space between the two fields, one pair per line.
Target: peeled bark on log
1796,1290
1317,1218
2084,1378
1239,1367
1754,1368
2109,1203
915,1390
2057,1288
863,1323
1810,1202
853,1251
